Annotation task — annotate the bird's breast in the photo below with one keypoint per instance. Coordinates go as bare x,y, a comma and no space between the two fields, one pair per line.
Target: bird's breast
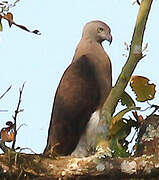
88,139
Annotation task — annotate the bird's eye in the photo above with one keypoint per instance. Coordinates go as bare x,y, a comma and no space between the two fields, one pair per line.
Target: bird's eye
100,30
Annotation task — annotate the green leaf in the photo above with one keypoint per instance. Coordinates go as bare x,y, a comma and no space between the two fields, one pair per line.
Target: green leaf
118,149
127,100
118,143
119,130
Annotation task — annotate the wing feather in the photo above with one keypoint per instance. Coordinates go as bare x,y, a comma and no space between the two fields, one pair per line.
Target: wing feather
77,97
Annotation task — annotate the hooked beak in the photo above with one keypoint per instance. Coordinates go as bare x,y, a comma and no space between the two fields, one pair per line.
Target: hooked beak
109,38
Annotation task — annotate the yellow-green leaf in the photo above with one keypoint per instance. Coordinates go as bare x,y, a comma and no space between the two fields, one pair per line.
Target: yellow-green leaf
143,90
117,121
127,100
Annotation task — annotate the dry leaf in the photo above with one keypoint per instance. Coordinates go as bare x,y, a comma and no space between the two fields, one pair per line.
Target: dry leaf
7,134
143,90
9,18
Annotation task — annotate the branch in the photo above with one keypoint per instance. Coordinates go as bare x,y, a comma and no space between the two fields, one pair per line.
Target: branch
15,165
5,92
16,114
39,167
134,57
103,141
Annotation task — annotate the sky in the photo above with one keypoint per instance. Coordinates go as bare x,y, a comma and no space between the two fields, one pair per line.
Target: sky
41,60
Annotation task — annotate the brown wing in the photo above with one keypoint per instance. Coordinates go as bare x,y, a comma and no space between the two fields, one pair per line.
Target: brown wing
77,97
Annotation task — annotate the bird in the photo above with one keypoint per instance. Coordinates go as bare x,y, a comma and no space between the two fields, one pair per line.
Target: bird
80,95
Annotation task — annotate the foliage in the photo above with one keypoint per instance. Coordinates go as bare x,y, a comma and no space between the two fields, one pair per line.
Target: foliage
120,128
116,94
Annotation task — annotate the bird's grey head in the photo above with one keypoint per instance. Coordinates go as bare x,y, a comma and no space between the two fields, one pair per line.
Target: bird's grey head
98,31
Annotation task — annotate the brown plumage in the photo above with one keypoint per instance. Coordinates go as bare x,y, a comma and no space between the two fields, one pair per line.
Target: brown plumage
81,93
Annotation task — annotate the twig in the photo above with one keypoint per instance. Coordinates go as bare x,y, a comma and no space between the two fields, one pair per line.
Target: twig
5,5
142,110
152,106
138,2
21,126
14,4
133,136
16,114
22,149
156,108
5,92
3,147
3,110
